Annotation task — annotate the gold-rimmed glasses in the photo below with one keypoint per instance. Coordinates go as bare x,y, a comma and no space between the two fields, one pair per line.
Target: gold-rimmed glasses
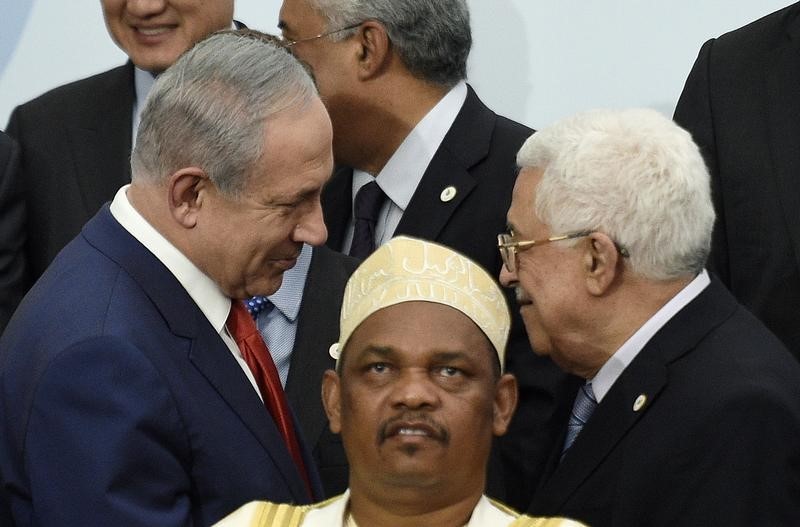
509,247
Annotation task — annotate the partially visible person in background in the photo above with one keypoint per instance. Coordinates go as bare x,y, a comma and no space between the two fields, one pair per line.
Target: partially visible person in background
12,214
419,154
76,140
741,106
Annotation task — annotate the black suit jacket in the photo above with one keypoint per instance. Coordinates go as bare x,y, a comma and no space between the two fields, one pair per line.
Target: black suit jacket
317,329
742,107
717,442
75,146
12,214
478,158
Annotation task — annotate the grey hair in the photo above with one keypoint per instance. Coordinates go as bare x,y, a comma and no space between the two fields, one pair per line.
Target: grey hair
632,174
432,37
210,108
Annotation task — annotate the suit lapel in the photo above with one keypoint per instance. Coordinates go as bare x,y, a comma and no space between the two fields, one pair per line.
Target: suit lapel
647,375
101,141
337,206
213,359
466,143
609,424
782,76
208,352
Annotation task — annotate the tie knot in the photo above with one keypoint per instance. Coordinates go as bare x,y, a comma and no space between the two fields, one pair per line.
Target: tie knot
257,304
369,200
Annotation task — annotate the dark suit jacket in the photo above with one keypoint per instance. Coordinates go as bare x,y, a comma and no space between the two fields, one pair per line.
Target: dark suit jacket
717,443
478,158
121,405
742,107
12,214
75,146
317,329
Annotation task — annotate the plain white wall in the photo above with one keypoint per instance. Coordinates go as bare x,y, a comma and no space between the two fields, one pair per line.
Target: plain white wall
533,60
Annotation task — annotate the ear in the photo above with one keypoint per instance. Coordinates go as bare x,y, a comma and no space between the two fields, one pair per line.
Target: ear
332,401
600,263
187,189
505,402
374,49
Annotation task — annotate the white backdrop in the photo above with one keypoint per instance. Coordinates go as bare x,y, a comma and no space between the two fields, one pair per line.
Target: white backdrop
533,60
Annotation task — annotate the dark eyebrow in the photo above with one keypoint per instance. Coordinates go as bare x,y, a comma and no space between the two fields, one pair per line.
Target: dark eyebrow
450,356
383,352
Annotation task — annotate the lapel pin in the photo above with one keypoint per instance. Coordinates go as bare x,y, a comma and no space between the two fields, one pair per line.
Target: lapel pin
639,403
448,194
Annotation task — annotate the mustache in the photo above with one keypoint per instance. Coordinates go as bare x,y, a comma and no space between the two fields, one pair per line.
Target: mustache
413,419
520,296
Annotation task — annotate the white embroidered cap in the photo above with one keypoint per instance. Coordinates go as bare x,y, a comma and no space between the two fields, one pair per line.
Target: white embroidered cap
408,269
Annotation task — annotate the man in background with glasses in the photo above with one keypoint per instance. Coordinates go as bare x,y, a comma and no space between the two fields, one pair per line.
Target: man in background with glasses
418,153
690,410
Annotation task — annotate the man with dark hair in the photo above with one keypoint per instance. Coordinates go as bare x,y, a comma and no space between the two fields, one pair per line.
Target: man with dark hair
420,154
134,387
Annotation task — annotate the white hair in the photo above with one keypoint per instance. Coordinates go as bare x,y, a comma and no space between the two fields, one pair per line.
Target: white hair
632,174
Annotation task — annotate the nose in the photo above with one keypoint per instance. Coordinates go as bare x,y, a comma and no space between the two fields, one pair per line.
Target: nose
415,390
507,278
145,8
312,229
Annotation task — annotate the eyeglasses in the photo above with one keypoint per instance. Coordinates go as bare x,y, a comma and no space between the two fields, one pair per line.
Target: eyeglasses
509,248
289,43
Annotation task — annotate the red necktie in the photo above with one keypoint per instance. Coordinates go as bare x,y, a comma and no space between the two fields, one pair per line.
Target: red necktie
256,355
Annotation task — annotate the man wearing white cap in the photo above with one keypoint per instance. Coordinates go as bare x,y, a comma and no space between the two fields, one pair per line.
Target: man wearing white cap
417,395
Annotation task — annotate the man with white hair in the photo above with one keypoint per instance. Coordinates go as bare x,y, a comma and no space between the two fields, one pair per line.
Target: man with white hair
418,394
690,412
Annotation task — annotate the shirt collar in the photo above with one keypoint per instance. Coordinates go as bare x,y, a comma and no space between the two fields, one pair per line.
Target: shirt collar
401,175
289,296
614,366
209,298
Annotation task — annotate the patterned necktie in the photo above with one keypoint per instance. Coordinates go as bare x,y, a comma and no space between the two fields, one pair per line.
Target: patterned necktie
256,355
369,200
585,403
257,304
